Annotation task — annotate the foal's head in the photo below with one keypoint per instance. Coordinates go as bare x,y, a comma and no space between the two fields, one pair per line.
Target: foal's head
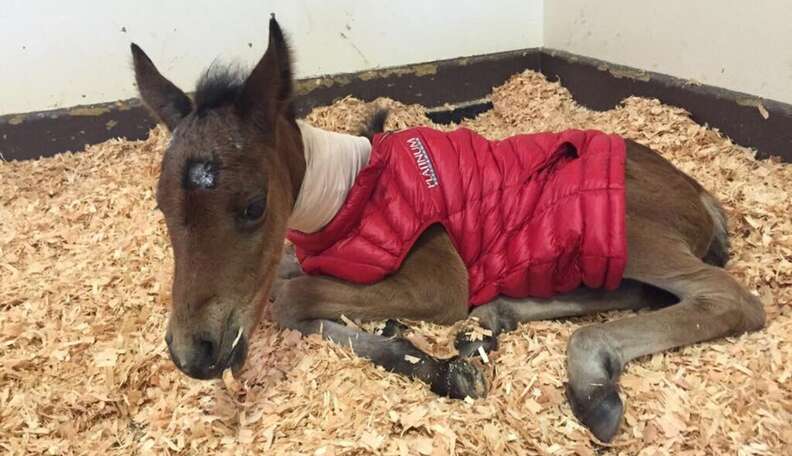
228,183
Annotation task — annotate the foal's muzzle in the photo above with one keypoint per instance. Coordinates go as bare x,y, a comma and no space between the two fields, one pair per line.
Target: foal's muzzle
206,358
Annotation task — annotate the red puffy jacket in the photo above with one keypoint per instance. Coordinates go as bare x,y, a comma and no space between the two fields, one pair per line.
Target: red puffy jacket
531,215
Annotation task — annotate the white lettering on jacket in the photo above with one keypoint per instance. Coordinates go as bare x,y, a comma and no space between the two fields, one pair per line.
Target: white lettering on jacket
423,161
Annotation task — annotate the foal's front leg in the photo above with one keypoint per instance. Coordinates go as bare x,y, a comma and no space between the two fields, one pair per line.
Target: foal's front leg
312,305
430,286
454,378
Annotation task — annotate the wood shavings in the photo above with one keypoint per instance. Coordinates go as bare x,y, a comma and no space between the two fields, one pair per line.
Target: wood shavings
85,270
476,332
347,321
755,102
483,355
230,382
412,359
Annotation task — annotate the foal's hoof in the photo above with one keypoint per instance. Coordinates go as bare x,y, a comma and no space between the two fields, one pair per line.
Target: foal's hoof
468,348
459,380
601,411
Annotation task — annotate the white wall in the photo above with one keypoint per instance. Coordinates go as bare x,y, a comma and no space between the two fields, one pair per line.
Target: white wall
60,53
736,44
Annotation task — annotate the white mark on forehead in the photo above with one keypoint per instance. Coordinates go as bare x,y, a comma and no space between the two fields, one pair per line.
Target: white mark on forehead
201,174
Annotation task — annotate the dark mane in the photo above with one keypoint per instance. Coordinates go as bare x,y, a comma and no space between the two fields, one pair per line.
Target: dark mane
220,85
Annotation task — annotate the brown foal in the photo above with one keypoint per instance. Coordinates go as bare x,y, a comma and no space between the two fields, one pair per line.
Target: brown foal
229,181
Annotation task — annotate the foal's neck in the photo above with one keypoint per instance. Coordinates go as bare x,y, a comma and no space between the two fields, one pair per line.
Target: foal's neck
332,162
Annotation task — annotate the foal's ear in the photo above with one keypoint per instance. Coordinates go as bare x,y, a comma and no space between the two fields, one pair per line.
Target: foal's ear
161,96
268,90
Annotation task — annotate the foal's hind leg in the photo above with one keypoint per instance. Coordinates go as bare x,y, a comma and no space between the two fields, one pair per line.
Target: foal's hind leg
712,304
504,314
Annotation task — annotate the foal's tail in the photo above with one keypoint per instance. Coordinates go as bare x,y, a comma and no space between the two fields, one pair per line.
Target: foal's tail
718,252
375,123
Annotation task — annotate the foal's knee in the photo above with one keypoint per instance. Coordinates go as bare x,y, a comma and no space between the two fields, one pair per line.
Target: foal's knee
723,301
753,314
734,307
592,355
487,315
496,316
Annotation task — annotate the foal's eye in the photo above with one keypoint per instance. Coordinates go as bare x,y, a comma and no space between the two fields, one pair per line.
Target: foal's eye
253,211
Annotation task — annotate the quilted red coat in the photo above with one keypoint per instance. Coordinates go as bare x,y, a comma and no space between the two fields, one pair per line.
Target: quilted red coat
531,215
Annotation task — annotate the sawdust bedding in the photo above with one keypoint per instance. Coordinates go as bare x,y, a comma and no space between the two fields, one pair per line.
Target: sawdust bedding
85,273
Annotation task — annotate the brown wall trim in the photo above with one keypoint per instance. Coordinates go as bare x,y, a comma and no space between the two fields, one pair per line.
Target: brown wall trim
594,83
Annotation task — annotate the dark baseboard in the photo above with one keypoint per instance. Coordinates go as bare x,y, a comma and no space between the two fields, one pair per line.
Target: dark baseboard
42,134
601,85
430,84
456,87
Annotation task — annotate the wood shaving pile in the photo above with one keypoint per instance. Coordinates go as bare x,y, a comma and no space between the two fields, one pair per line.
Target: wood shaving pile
85,271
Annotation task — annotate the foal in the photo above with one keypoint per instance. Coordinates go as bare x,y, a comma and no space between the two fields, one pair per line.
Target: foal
240,170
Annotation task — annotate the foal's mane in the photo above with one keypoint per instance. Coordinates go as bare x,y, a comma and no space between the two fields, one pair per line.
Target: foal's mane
220,85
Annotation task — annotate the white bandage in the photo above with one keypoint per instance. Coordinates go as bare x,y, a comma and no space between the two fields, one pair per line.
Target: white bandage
332,162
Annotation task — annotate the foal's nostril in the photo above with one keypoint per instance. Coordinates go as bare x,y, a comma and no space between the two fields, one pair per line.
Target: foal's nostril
206,351
168,339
